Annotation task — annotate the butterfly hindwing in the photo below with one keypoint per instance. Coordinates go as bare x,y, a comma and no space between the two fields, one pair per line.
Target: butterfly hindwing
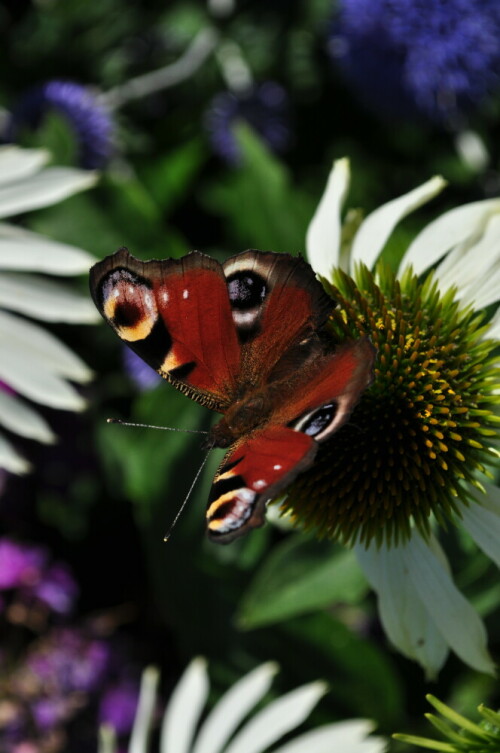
176,315
255,470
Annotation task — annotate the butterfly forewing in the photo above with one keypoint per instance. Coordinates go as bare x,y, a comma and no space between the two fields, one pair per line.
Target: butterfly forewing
255,470
176,315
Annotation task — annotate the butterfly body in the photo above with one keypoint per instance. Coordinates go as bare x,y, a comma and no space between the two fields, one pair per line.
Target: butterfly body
247,339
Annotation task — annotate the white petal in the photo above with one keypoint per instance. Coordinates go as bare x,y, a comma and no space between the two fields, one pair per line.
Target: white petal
23,420
25,251
494,330
35,380
278,718
378,226
10,458
324,231
43,189
472,149
17,163
42,348
184,709
470,266
145,711
341,737
404,617
232,708
45,299
455,618
444,233
483,524
484,291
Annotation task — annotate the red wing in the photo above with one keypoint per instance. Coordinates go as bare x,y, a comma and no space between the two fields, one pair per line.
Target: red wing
331,391
176,315
277,304
254,471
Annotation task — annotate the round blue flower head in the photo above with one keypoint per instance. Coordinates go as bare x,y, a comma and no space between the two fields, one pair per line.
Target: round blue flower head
90,121
263,107
437,58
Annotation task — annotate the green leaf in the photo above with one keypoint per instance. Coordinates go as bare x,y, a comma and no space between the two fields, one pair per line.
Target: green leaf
170,177
258,201
301,576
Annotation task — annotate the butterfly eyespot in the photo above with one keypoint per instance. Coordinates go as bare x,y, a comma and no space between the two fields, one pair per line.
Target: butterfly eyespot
129,305
246,290
317,422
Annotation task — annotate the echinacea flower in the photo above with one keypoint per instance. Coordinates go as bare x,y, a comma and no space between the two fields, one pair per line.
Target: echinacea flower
221,730
417,450
35,365
263,107
89,119
438,59
468,738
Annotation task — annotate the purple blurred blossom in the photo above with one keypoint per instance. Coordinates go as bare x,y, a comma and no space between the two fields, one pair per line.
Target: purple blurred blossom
50,712
439,59
57,589
119,705
264,108
69,661
20,565
143,376
91,122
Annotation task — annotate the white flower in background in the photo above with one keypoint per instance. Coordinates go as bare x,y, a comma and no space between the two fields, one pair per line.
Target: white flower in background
418,448
221,731
35,365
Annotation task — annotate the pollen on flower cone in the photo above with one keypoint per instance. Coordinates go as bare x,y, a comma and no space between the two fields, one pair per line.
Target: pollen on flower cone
416,440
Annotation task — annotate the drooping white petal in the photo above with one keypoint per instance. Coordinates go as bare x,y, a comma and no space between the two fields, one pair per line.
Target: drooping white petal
145,711
232,709
19,418
455,618
30,252
184,709
470,266
482,521
10,458
45,299
448,230
484,291
378,226
404,617
494,330
324,231
17,163
43,189
341,737
278,718
41,347
34,379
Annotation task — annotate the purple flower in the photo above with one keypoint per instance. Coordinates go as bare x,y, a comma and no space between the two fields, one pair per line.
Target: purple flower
263,107
437,58
57,589
20,565
68,661
91,122
119,705
143,376
49,712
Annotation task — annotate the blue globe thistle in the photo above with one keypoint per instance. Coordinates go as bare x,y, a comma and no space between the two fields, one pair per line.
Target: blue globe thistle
263,107
90,120
438,58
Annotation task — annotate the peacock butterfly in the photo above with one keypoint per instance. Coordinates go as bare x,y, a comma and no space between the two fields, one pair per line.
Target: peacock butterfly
245,338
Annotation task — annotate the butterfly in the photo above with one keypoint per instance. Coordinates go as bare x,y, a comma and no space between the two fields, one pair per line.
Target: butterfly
247,339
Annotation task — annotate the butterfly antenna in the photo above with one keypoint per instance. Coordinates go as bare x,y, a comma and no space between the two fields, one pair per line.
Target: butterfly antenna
181,508
150,426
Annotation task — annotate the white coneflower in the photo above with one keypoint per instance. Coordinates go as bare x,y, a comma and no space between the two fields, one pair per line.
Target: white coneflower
35,364
222,731
417,449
